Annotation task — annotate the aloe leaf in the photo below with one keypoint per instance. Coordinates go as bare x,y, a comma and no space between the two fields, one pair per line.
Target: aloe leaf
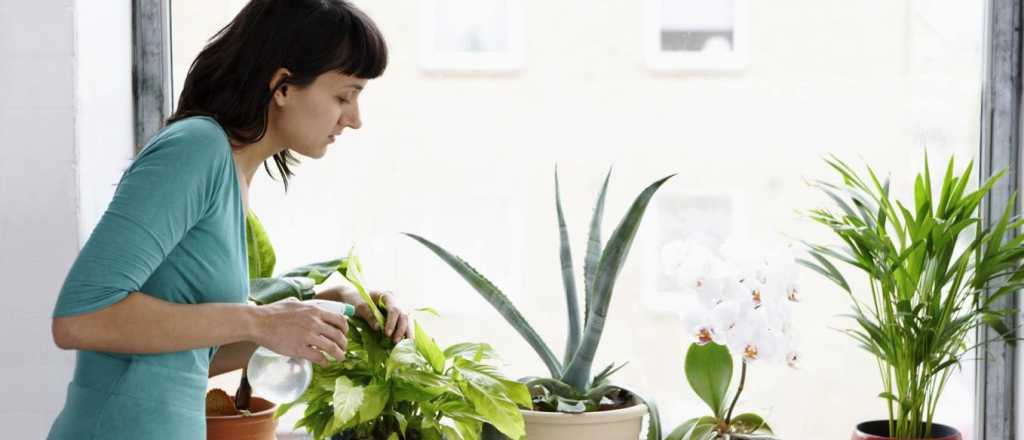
577,372
568,278
594,248
602,377
553,386
499,301
653,416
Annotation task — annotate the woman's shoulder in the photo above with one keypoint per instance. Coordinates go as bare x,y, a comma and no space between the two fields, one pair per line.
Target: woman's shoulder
188,149
195,136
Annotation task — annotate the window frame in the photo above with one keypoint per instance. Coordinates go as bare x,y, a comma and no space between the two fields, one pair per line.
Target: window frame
996,374
151,67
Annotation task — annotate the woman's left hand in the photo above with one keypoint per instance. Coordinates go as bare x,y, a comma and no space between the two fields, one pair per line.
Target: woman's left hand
396,325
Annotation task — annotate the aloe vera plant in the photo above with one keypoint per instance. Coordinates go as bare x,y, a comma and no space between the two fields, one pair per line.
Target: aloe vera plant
570,386
928,264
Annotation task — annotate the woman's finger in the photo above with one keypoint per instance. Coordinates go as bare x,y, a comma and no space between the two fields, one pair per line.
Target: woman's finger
329,346
401,328
313,355
335,335
335,320
364,312
393,315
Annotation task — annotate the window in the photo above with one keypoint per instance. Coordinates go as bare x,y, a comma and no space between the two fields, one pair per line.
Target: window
471,35
468,163
697,35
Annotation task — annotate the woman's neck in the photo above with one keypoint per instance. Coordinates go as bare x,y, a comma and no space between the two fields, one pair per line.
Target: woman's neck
249,157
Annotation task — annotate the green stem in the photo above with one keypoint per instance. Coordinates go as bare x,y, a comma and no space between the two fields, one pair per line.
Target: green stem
743,380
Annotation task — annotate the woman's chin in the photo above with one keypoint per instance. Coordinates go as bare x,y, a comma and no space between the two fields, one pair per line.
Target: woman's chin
313,153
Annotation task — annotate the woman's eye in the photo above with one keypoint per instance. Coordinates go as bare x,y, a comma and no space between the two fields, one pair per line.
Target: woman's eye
342,100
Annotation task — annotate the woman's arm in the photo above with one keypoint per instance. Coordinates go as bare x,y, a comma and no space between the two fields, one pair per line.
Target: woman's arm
235,356
231,357
141,323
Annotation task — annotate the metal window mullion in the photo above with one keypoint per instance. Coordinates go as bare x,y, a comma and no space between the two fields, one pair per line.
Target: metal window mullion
151,67
1000,149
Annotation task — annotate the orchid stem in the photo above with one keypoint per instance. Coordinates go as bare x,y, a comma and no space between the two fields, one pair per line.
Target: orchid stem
743,380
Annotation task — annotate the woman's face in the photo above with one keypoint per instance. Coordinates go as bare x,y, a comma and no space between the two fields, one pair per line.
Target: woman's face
307,119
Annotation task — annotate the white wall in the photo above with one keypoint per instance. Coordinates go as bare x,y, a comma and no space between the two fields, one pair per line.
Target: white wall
64,118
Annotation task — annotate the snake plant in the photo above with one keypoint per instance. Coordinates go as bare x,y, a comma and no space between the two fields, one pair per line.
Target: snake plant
570,387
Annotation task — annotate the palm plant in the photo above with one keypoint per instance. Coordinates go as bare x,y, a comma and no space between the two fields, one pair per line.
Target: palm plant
570,386
927,275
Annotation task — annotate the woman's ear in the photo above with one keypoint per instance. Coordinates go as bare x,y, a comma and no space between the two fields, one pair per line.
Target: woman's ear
278,86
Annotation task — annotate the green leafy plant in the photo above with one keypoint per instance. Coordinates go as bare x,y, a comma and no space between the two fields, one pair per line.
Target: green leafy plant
927,265
709,372
264,288
298,283
570,387
409,390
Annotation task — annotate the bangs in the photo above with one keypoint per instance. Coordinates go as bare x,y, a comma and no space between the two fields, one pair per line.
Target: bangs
362,52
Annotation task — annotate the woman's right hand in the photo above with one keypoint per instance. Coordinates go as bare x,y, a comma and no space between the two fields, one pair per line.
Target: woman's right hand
292,328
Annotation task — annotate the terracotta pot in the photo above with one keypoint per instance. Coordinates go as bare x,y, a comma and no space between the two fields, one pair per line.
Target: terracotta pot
617,424
879,430
260,425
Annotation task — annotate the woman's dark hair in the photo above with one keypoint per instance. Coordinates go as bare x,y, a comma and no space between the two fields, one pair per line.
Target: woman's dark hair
229,80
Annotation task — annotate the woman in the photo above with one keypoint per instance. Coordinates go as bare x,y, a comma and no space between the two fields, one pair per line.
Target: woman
162,281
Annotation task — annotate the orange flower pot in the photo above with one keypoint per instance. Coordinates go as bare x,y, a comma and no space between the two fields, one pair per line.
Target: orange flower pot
260,425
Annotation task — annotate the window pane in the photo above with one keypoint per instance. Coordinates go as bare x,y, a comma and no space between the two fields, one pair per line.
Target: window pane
697,25
471,26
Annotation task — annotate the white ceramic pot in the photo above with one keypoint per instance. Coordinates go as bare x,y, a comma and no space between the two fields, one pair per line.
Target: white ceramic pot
618,424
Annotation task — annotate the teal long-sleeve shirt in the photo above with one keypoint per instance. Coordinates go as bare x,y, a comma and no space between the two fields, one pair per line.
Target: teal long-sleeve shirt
175,230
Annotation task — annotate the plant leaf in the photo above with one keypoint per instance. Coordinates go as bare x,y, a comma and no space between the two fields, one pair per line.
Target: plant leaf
568,279
375,397
259,250
683,430
429,349
348,397
500,303
709,371
318,271
353,272
748,423
270,290
594,248
577,372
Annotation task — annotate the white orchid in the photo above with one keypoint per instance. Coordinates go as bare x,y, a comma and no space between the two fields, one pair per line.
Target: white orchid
745,294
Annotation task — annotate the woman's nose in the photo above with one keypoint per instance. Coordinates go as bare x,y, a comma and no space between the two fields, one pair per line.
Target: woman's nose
352,119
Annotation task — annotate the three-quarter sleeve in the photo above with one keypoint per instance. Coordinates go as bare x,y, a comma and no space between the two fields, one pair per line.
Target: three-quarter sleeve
166,191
